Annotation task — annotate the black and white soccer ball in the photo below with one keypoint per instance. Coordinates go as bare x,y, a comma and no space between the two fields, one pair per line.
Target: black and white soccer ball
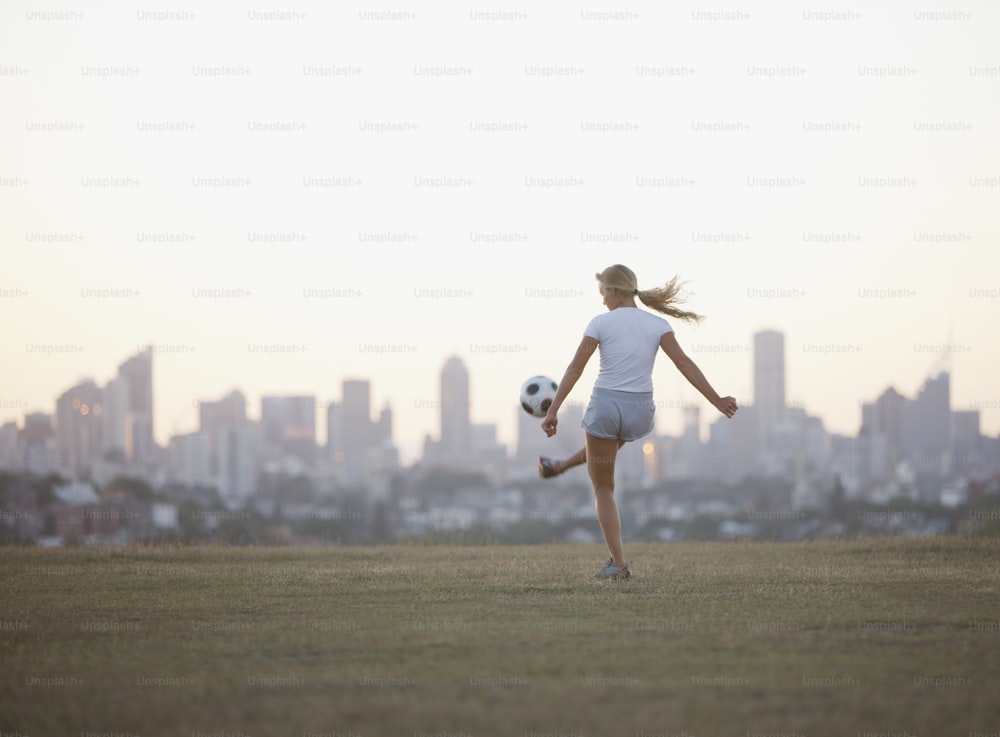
537,394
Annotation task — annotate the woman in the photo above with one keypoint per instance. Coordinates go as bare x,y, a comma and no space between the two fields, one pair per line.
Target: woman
621,405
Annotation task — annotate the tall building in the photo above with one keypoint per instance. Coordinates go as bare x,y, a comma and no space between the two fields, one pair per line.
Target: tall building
966,442
137,372
357,432
225,412
383,426
335,433
78,429
881,435
10,457
926,426
687,460
731,453
38,441
236,454
216,420
456,425
768,380
486,449
114,419
191,460
288,428
354,443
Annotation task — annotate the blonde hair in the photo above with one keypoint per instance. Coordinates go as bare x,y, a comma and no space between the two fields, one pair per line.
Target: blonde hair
661,299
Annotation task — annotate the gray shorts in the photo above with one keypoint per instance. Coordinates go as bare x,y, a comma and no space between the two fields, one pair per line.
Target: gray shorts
620,415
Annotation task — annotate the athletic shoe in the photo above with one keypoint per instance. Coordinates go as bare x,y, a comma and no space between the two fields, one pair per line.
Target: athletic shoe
547,467
610,570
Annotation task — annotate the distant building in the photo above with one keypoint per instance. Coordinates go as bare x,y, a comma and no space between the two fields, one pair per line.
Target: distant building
334,433
115,419
456,425
768,379
687,458
137,372
288,427
383,427
38,442
191,461
236,453
10,447
733,446
216,419
967,443
631,467
356,434
355,444
454,444
881,436
225,451
226,412
926,426
79,429
487,451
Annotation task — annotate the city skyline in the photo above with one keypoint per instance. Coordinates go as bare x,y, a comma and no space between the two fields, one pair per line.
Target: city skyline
279,207
769,369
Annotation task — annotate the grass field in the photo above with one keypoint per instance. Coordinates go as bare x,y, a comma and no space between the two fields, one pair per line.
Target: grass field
881,637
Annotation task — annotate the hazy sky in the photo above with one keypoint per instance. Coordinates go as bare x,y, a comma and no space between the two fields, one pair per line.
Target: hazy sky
330,191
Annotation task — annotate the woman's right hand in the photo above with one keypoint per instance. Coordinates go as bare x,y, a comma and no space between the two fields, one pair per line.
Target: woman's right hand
549,423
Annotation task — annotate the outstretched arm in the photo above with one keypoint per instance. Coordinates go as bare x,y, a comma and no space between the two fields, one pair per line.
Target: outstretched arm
691,372
573,372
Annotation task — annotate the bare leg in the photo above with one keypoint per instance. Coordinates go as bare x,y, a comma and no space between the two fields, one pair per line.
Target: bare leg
601,454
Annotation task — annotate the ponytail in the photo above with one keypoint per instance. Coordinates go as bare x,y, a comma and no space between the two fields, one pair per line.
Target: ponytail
665,300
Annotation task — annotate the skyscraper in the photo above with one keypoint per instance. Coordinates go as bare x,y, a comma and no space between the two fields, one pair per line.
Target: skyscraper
334,432
733,446
217,420
225,412
926,426
78,428
688,460
456,425
357,432
383,427
10,459
115,419
138,375
881,435
37,438
237,452
191,460
352,438
768,379
966,455
288,426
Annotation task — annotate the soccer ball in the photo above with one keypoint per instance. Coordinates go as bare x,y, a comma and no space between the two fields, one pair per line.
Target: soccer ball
537,394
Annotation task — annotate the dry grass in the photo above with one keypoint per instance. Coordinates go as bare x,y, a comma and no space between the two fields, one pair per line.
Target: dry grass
833,638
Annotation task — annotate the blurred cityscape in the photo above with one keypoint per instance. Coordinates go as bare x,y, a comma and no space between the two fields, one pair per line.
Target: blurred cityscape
92,473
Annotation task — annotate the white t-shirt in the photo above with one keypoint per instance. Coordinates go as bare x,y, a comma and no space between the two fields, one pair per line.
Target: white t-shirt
628,339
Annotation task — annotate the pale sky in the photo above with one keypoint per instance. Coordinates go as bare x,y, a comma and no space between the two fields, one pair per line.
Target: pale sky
835,178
